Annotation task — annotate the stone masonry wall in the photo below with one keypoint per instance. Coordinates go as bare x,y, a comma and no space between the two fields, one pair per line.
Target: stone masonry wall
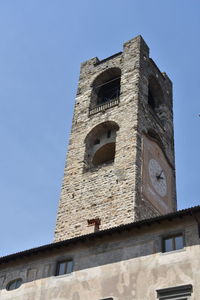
111,192
147,120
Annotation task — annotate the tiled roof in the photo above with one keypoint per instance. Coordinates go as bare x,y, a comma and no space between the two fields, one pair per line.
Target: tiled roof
146,222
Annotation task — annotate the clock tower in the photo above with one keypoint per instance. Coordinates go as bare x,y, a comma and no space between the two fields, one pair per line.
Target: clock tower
120,166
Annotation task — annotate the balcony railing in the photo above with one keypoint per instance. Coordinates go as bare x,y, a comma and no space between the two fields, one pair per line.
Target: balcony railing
104,106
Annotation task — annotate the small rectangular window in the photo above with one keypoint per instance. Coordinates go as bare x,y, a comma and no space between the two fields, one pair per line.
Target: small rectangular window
97,141
108,134
64,267
172,243
176,293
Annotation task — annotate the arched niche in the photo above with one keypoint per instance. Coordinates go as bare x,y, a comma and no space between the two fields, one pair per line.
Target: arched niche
156,100
100,144
152,134
106,87
155,93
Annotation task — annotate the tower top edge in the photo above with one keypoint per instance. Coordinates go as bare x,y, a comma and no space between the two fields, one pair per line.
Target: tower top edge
96,61
130,46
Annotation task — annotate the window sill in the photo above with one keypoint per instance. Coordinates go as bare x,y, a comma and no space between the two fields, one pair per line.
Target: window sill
173,251
63,276
96,168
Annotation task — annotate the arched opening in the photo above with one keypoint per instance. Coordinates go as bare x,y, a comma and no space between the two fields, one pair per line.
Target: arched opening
14,284
151,99
105,154
155,94
106,87
108,91
100,144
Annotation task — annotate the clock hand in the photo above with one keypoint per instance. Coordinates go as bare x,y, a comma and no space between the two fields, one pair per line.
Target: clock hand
159,176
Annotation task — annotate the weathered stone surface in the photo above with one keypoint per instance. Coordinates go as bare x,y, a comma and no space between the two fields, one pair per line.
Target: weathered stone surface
112,192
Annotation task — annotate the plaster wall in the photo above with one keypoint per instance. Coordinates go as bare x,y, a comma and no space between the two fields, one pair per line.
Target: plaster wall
124,266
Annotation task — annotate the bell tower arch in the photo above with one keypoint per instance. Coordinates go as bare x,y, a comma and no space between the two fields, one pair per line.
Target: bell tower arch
100,144
120,163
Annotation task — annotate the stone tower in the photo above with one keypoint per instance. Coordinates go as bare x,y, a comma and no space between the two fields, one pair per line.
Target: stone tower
120,164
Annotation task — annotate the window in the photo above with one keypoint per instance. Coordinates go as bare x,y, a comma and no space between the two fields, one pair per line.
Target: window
105,90
172,243
100,145
108,134
175,293
97,141
64,267
151,99
14,284
105,154
155,94
108,91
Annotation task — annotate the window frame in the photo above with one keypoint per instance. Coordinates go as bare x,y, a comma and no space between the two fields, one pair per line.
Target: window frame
172,235
105,83
107,88
182,292
66,261
16,280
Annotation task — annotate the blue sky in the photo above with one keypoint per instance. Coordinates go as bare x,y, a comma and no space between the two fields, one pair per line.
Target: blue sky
43,43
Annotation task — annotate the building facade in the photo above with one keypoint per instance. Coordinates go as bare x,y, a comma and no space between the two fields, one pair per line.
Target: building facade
118,235
153,259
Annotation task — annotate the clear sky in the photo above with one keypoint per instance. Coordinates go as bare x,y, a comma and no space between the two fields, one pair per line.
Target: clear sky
43,43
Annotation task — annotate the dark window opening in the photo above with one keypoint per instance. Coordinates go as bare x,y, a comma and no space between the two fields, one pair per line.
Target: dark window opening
108,91
151,100
105,154
181,292
155,94
97,141
14,284
64,267
108,134
172,243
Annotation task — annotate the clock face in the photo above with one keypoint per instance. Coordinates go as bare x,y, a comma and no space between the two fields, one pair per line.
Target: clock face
158,178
